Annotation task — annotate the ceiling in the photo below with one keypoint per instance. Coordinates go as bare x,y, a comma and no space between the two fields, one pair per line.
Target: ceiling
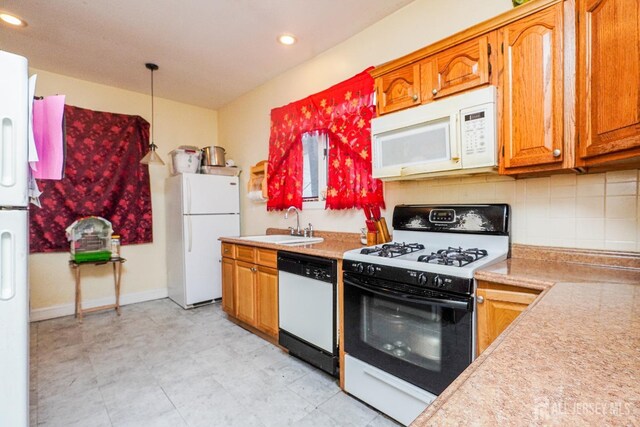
209,52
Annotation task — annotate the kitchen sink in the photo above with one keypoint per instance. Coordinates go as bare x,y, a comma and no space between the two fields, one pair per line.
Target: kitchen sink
283,239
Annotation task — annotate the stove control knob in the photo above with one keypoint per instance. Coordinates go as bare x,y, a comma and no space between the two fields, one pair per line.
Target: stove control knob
422,279
359,267
371,270
438,281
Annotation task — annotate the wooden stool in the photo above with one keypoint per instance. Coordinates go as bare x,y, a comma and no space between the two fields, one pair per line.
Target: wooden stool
117,273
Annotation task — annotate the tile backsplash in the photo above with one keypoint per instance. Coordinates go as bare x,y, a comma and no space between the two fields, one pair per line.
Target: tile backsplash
596,211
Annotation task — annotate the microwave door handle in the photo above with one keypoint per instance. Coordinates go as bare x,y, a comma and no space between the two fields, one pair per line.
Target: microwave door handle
460,305
454,137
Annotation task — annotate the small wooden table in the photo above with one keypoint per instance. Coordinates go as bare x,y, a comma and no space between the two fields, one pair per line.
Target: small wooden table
117,273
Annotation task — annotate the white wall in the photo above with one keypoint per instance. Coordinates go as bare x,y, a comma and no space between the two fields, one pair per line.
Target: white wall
244,123
144,273
592,211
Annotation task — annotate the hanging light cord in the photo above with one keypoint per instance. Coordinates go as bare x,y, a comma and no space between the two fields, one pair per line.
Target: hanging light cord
153,129
152,157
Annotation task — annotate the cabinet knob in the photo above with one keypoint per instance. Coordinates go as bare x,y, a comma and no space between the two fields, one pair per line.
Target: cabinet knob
435,91
254,269
415,98
480,299
557,152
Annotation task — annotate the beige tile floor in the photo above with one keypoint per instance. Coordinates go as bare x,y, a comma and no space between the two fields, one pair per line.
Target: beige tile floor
160,365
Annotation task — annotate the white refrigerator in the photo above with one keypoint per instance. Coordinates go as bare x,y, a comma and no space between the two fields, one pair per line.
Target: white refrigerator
200,209
14,287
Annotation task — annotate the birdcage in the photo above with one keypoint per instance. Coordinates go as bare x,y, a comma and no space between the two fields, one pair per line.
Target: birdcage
90,239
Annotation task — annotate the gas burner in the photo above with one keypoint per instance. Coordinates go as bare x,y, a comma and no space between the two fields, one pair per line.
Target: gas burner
392,250
454,256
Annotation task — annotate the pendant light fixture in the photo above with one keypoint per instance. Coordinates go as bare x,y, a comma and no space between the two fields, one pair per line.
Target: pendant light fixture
152,158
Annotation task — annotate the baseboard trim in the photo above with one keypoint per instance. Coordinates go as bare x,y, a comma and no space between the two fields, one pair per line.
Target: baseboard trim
62,310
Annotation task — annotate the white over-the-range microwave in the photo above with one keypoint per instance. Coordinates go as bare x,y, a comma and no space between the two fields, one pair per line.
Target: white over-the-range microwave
455,135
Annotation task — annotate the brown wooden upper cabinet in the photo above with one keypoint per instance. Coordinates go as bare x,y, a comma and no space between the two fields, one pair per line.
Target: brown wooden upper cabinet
398,89
462,67
608,81
531,90
568,79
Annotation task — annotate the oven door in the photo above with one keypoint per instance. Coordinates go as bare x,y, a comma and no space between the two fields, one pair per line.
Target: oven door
422,337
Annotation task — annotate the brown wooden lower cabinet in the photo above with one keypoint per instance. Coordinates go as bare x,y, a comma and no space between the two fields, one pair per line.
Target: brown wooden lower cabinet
228,280
267,300
245,292
250,287
498,306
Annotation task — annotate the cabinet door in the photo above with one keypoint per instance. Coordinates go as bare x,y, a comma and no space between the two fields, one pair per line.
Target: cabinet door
228,275
531,90
267,300
245,292
398,89
496,311
609,79
457,69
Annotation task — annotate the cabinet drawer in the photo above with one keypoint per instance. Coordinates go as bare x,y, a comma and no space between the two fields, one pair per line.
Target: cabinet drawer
228,250
267,257
246,253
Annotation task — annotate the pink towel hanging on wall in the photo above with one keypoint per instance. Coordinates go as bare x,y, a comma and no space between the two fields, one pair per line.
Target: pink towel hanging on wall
48,133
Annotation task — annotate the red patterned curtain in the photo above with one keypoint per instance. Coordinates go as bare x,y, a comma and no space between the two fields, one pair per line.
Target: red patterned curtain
344,111
103,177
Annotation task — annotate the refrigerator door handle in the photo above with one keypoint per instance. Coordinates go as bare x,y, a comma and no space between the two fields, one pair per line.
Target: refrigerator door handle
188,197
7,266
7,144
190,232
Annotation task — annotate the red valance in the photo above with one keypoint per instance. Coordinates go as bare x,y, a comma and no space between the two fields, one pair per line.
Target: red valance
344,111
103,177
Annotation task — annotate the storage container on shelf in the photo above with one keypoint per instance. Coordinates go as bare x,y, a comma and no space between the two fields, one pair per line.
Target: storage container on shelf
184,159
90,239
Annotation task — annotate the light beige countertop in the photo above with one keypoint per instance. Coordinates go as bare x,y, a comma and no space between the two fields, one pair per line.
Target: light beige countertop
537,274
541,268
571,358
333,245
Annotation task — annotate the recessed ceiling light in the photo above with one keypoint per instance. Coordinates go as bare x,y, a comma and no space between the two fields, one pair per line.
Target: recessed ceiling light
13,20
287,39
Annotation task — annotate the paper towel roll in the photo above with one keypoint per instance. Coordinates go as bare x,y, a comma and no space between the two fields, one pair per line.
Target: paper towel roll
256,196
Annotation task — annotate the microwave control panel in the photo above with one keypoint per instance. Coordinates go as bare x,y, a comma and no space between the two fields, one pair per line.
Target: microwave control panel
479,144
474,128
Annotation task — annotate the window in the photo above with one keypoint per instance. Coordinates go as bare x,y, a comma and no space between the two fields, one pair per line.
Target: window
315,151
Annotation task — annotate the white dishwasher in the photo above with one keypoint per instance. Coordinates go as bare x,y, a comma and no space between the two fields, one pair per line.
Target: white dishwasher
307,309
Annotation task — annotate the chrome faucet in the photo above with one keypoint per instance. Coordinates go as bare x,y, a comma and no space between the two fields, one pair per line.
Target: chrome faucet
297,231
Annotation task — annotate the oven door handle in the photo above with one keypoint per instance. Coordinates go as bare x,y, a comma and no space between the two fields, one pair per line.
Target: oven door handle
460,305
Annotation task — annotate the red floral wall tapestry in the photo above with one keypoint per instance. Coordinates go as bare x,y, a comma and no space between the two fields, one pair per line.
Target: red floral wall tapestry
103,177
344,111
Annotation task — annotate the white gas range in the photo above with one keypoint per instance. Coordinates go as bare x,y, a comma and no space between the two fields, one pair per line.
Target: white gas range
409,305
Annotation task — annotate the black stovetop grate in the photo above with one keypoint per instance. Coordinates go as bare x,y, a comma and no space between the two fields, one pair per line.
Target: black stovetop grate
392,250
454,256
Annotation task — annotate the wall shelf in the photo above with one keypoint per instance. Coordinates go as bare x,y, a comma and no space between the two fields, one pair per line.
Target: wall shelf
258,180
